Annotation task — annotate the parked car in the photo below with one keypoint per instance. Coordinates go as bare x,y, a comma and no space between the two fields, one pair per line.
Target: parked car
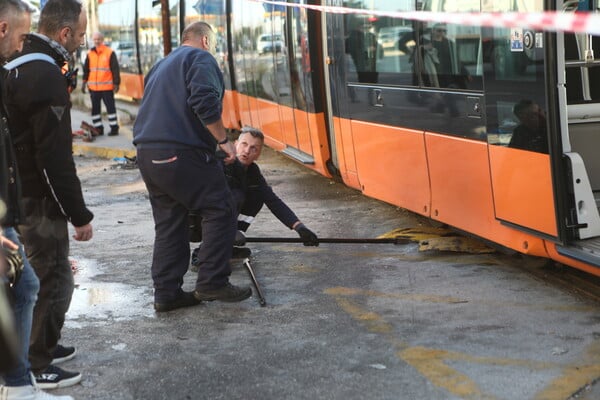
389,36
267,43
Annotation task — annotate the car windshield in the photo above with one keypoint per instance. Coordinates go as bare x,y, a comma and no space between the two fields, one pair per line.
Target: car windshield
269,38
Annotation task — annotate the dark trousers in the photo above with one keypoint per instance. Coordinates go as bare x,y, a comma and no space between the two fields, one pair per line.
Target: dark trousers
108,97
180,181
251,203
46,240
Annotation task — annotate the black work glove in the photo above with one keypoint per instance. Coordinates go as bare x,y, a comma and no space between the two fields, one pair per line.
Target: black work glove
309,238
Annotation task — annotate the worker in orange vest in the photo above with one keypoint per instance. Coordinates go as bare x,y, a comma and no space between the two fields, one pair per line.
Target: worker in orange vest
102,77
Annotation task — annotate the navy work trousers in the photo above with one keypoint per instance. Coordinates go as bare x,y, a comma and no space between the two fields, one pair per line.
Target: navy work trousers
180,180
251,203
108,97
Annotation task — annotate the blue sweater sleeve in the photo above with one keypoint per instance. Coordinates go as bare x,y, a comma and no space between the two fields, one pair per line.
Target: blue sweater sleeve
205,84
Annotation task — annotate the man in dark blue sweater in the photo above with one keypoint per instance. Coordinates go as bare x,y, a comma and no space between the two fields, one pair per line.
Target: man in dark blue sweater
251,191
176,133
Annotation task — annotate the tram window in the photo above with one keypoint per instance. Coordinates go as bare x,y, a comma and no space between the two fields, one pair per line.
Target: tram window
583,84
361,45
513,69
450,54
379,49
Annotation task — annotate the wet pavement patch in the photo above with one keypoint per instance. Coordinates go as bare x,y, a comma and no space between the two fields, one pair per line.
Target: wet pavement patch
100,303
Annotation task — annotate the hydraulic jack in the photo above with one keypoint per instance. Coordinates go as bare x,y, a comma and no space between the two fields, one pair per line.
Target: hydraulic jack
261,297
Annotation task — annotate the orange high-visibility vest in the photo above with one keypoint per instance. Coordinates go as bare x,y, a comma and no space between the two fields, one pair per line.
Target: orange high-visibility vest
100,77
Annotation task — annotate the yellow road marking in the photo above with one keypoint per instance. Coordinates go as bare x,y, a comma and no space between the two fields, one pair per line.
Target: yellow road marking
575,376
345,291
431,363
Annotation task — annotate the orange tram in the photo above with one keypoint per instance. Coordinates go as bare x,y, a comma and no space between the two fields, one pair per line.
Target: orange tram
493,131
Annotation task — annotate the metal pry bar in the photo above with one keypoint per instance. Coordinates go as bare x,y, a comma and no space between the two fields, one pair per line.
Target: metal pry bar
261,297
329,240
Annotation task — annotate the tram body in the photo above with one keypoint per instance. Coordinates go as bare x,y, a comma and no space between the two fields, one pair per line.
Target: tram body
417,114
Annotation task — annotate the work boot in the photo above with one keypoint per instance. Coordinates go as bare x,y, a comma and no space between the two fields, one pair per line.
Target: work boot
228,293
237,253
240,252
114,131
185,299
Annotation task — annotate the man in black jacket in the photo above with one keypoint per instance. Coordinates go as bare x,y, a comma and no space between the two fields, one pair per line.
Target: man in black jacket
251,191
39,106
15,21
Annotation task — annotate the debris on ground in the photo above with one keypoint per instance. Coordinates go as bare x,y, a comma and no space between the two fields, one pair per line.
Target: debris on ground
440,239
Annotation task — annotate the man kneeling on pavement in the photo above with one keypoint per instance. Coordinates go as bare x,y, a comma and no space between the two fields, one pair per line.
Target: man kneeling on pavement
251,191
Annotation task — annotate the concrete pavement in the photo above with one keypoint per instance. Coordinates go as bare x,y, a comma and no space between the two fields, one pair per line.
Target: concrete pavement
341,322
103,146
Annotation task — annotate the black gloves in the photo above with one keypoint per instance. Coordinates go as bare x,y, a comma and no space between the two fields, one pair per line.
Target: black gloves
309,238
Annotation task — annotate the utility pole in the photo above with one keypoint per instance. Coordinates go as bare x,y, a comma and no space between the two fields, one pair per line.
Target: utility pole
166,26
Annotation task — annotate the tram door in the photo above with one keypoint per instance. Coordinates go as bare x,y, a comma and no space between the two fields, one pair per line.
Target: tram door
517,129
336,69
578,75
295,92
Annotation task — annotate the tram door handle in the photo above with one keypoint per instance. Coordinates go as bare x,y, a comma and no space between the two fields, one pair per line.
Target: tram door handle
376,98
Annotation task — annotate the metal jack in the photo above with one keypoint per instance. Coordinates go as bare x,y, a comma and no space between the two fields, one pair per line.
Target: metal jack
261,297
246,262
329,240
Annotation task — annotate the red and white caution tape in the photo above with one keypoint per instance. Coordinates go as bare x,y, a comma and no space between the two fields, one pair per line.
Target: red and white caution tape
554,21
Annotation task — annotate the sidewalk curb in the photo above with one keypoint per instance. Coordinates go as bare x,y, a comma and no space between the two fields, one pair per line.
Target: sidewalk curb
104,152
110,152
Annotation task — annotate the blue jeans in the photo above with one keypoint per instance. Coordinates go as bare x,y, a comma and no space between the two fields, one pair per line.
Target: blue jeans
25,295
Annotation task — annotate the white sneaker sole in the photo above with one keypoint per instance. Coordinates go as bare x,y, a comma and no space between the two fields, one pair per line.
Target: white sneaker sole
61,384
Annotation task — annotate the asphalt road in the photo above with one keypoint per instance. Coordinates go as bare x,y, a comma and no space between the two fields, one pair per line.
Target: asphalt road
342,321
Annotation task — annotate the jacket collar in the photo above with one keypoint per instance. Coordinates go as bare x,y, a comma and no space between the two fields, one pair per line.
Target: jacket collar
59,52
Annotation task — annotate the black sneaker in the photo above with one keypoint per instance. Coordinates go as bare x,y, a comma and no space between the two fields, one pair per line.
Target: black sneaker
228,293
62,354
240,252
54,377
185,299
113,132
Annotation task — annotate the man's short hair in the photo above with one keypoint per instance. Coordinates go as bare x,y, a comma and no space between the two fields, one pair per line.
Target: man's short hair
196,29
14,6
521,108
256,133
57,14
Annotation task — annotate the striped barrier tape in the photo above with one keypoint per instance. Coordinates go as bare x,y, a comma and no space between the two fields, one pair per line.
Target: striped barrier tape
553,21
